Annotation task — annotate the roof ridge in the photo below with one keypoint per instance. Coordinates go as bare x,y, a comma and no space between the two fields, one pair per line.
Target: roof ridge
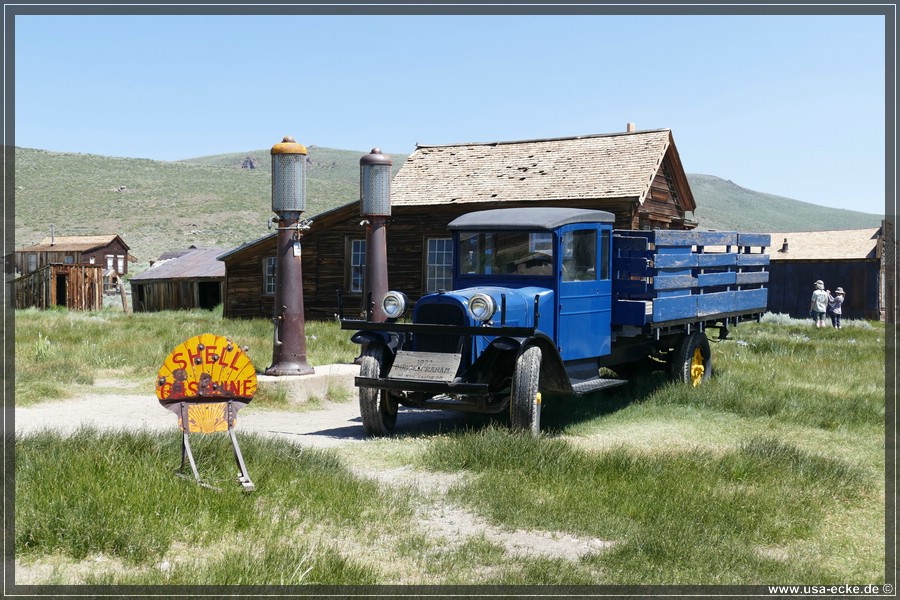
553,139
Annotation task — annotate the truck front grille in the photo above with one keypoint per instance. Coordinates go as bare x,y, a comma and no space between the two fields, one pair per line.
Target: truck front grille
439,314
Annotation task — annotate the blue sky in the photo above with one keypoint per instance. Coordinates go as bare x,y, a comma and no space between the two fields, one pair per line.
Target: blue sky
788,105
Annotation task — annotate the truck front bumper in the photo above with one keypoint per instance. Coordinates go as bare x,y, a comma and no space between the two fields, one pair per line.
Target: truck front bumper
427,387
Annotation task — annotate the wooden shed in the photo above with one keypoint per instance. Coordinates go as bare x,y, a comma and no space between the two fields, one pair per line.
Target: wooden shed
192,279
637,175
76,287
851,259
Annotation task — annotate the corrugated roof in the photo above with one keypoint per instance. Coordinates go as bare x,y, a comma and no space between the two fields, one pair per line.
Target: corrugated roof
199,263
72,243
620,165
825,245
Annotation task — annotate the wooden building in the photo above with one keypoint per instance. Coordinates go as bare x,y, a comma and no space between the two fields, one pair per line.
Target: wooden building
190,279
851,259
637,175
76,287
107,251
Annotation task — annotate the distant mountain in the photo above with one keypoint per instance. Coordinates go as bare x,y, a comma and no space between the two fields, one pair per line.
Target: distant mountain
213,202
724,205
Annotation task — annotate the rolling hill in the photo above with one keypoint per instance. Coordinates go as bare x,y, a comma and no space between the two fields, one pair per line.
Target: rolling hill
211,201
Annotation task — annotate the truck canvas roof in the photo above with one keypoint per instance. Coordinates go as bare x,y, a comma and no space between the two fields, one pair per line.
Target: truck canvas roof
529,218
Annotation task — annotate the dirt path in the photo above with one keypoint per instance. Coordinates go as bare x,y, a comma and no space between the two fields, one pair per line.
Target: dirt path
336,424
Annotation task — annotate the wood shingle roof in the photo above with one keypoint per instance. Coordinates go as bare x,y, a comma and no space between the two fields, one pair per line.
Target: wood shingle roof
826,245
72,243
609,166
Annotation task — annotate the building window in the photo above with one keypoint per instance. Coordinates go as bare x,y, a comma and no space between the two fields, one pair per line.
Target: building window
120,264
69,259
269,276
32,263
579,255
109,261
357,266
439,271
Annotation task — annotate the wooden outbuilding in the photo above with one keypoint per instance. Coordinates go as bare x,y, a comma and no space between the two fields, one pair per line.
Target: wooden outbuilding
637,175
191,279
851,259
76,287
70,271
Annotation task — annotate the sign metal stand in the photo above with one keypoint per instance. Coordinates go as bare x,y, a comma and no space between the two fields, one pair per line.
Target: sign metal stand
205,381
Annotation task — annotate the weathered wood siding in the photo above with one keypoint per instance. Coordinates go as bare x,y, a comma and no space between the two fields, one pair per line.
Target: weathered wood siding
152,296
116,248
242,295
77,287
660,209
791,286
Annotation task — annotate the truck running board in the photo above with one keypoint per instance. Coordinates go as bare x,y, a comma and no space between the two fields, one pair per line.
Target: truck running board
592,385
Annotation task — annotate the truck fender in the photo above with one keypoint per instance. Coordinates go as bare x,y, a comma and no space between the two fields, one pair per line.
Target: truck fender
554,377
507,343
389,339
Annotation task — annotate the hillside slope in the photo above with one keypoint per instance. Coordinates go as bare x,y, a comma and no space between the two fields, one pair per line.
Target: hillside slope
724,205
211,201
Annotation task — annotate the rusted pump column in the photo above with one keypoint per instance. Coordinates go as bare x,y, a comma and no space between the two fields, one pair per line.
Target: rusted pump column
288,203
375,206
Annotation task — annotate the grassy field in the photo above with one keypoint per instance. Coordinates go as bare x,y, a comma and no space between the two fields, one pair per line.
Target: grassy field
771,473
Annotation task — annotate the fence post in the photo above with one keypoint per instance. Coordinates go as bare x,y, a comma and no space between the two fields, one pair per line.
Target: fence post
124,299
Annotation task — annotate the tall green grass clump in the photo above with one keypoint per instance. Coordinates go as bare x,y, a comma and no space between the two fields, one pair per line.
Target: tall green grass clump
115,494
792,372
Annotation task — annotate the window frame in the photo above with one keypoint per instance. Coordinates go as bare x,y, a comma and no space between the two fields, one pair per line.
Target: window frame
268,279
355,249
447,252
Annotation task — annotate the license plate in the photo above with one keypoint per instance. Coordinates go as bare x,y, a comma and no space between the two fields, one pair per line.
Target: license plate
425,366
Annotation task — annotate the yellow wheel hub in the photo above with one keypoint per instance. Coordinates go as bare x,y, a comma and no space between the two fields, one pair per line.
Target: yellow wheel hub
697,368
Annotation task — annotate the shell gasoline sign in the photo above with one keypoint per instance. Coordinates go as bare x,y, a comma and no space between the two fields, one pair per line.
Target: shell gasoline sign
206,372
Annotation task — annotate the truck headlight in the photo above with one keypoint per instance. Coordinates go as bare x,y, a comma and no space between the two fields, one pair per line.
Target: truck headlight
394,304
482,307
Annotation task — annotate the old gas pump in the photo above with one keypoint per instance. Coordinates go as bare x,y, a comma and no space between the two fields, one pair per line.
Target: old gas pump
288,203
375,206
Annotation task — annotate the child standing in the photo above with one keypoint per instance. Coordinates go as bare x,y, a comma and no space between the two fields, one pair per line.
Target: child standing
818,304
834,306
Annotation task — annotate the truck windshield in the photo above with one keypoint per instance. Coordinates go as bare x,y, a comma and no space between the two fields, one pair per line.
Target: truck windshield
506,253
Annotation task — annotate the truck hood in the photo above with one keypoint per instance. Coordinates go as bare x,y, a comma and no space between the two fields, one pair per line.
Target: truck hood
519,304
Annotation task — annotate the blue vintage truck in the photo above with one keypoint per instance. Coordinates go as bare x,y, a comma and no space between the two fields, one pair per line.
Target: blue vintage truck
551,300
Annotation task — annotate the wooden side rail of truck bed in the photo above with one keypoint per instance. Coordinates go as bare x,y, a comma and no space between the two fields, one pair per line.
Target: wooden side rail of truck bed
662,276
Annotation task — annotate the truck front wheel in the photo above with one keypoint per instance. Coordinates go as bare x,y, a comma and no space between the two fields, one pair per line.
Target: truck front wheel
525,404
692,359
377,409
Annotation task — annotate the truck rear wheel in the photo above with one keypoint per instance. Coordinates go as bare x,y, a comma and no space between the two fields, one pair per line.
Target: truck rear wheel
377,409
525,404
692,359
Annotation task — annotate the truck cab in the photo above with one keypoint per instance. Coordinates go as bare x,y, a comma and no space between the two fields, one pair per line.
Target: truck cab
533,309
